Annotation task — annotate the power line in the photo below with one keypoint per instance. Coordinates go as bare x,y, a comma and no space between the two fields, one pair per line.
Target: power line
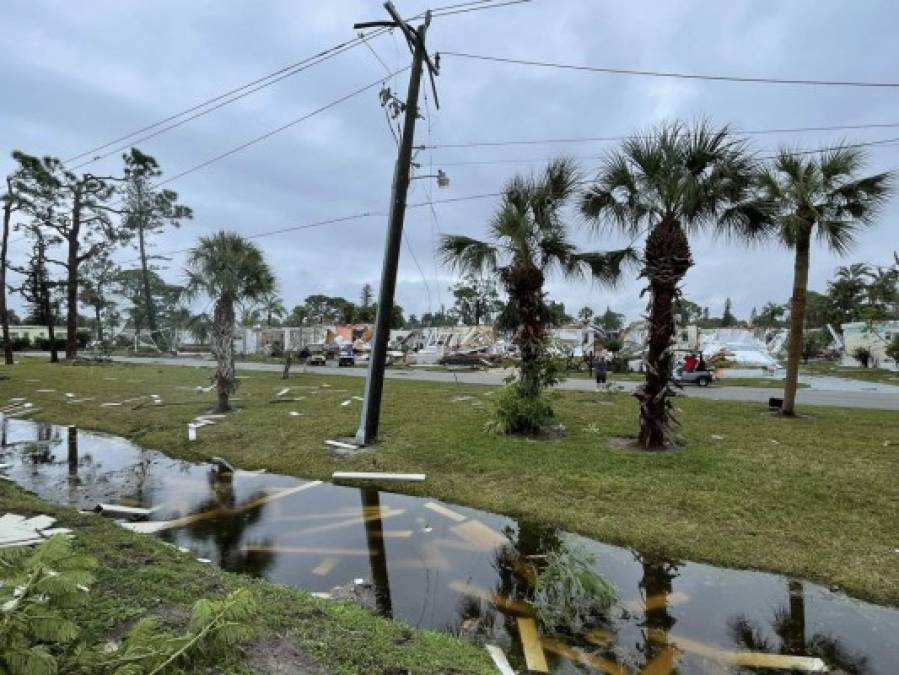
420,270
309,64
332,221
610,139
284,72
671,74
884,142
277,130
436,13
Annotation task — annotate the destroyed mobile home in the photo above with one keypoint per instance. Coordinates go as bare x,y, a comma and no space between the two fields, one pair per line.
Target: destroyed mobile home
484,346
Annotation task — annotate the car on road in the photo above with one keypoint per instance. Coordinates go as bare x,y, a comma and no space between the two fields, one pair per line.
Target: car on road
316,360
701,378
346,359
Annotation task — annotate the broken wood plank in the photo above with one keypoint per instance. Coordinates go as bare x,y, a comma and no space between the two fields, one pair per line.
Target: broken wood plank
215,513
530,644
750,659
148,527
119,510
305,550
663,663
355,520
480,535
578,656
444,511
373,475
342,445
499,660
503,603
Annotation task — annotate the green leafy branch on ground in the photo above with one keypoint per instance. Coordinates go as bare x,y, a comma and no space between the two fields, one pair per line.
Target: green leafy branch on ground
36,638
35,590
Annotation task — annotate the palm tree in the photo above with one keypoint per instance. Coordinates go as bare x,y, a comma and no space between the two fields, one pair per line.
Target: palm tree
819,194
227,268
273,307
527,240
672,182
200,328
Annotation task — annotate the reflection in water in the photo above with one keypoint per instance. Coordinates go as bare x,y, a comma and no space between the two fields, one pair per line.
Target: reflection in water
226,531
73,450
656,585
377,552
789,624
450,568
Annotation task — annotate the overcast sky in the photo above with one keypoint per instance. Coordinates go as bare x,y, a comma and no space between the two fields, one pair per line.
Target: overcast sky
78,74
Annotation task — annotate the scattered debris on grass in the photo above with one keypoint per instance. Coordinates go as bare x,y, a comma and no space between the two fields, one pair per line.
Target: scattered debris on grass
16,530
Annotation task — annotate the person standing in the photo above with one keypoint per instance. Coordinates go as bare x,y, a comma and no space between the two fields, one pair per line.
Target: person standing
600,370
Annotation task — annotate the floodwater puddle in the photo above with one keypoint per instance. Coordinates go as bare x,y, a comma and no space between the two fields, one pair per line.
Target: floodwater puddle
455,569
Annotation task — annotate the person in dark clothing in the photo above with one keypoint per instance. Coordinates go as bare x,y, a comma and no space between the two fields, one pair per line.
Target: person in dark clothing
600,369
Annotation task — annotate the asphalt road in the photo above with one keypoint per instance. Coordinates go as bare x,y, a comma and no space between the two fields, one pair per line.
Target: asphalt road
847,399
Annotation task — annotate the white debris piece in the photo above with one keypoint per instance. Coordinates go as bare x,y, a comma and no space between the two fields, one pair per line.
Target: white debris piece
346,403
119,510
70,394
16,530
191,432
294,413
283,392
499,660
149,527
373,475
341,445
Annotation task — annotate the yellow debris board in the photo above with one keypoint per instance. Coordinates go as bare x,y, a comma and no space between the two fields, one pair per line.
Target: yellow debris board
444,511
479,534
530,643
578,656
662,663
808,664
656,602
309,550
358,520
502,603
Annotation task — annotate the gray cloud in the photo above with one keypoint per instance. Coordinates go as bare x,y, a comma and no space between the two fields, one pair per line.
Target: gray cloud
78,74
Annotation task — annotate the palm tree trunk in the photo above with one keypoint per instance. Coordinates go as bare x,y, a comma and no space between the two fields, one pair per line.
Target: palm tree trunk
527,290
666,260
797,319
223,348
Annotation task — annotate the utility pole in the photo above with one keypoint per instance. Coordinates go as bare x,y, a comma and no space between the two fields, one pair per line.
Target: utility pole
374,382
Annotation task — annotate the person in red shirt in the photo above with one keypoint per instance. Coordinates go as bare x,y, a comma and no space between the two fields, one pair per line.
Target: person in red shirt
690,363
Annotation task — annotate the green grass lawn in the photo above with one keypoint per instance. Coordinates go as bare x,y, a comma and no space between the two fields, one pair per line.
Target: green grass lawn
814,496
879,375
140,576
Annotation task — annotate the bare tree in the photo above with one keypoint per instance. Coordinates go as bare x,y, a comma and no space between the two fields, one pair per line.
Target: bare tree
81,217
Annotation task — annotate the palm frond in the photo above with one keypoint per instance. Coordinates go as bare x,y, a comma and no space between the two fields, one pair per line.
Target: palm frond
605,267
467,254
